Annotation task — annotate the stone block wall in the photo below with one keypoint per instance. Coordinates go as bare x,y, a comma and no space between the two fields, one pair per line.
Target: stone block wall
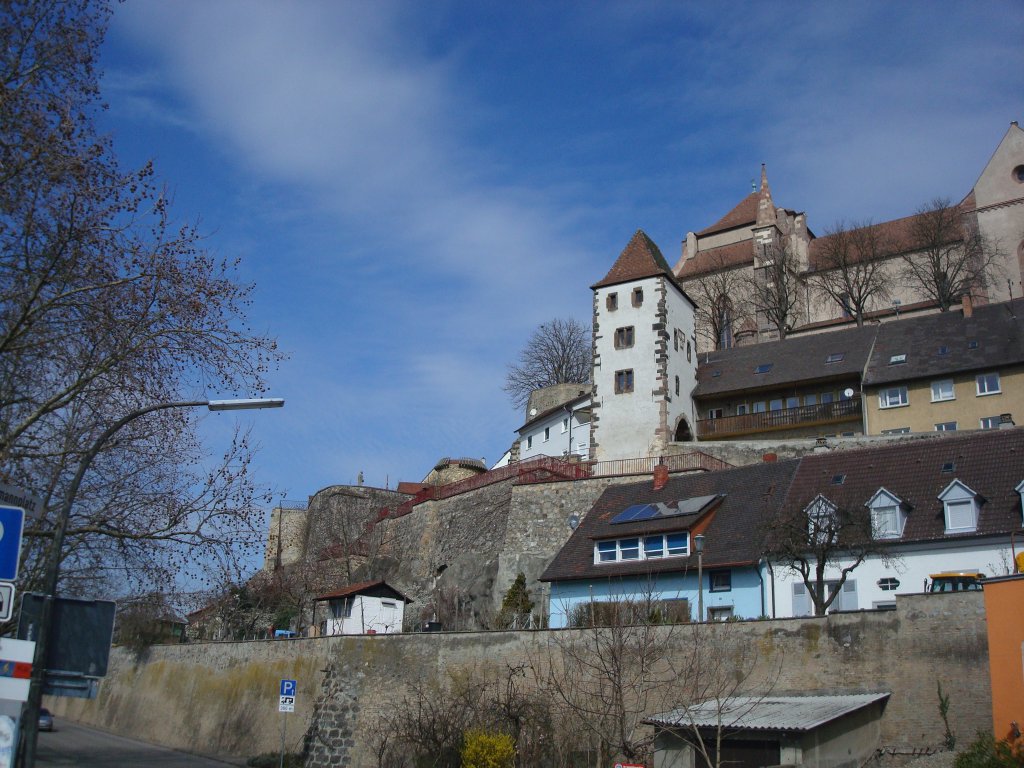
221,698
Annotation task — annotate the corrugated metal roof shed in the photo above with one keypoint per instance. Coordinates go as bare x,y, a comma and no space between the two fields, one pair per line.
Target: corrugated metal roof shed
770,713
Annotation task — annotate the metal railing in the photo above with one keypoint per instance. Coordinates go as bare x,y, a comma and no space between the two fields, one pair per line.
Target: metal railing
767,421
548,468
691,461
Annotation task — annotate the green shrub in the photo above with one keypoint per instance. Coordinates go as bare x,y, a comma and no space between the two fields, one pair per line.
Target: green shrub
986,752
481,749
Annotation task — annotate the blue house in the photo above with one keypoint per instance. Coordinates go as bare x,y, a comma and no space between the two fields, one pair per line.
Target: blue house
637,548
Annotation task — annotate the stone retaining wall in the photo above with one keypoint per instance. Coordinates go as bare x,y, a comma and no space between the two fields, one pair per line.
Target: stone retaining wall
221,698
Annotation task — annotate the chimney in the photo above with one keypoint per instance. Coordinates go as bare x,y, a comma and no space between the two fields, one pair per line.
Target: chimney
968,305
660,476
1006,421
770,457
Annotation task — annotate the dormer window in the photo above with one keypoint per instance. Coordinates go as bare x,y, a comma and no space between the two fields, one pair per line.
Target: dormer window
888,515
961,506
822,521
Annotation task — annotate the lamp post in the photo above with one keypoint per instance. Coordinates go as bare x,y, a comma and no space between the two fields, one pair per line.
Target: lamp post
30,714
698,544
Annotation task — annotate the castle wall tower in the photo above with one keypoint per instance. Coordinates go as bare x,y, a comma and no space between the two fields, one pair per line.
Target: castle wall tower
645,357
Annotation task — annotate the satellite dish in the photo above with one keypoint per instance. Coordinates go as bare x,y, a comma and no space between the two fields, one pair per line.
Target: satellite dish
574,521
533,411
848,392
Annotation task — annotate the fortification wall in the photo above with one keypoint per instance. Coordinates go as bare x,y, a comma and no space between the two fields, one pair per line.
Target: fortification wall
221,698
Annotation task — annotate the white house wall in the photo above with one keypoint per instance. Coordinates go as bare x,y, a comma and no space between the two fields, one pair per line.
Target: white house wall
532,442
912,568
627,423
369,614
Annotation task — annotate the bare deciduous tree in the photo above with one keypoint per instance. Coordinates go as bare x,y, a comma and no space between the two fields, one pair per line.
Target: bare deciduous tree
823,543
722,308
775,288
850,266
558,352
948,257
108,307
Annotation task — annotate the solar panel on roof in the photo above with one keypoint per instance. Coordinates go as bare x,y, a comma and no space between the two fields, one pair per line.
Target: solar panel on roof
635,512
639,512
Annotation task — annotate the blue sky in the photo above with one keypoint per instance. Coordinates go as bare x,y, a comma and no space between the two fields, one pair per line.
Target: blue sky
413,187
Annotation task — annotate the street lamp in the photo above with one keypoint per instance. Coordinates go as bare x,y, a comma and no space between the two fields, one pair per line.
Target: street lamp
698,544
30,715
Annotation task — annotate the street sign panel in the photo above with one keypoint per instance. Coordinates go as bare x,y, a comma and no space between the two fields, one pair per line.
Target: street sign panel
12,521
287,701
15,668
6,600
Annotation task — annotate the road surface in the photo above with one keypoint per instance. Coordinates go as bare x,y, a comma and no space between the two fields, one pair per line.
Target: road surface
77,745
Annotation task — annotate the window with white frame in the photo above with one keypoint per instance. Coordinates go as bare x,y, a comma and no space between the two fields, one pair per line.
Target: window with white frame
822,521
946,426
529,441
896,431
988,384
565,425
642,548
1020,490
988,422
943,390
887,515
893,397
547,434
960,508
720,612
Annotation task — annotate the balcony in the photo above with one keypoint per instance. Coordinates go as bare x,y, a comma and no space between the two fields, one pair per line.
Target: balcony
787,418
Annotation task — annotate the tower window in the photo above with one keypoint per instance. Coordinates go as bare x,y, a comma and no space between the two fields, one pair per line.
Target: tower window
624,337
623,381
638,297
612,302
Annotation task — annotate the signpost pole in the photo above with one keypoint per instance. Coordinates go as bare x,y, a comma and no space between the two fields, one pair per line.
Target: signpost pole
284,730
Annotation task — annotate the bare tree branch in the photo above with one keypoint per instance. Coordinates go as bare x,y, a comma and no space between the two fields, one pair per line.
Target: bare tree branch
558,352
850,267
948,257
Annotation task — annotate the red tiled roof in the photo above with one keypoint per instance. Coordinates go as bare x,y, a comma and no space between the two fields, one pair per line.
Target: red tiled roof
745,213
746,492
897,235
639,259
713,259
362,587
990,463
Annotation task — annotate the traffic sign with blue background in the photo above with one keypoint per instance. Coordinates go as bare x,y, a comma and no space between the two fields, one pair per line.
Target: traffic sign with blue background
12,521
288,687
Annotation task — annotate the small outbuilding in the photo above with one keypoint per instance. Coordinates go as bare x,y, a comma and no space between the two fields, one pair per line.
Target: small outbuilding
367,608
840,731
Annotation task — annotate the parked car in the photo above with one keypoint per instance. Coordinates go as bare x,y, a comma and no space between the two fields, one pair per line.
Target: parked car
956,581
45,720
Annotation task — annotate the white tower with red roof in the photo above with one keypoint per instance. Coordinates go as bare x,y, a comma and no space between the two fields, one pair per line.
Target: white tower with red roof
645,357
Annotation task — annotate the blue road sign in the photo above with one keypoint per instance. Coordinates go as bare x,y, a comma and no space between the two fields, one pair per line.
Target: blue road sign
288,687
12,521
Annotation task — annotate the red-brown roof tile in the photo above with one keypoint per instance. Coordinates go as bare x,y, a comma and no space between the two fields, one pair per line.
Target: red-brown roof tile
714,259
897,235
639,259
990,463
744,214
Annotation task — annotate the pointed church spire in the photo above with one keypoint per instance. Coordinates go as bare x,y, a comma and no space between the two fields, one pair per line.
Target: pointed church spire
765,206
